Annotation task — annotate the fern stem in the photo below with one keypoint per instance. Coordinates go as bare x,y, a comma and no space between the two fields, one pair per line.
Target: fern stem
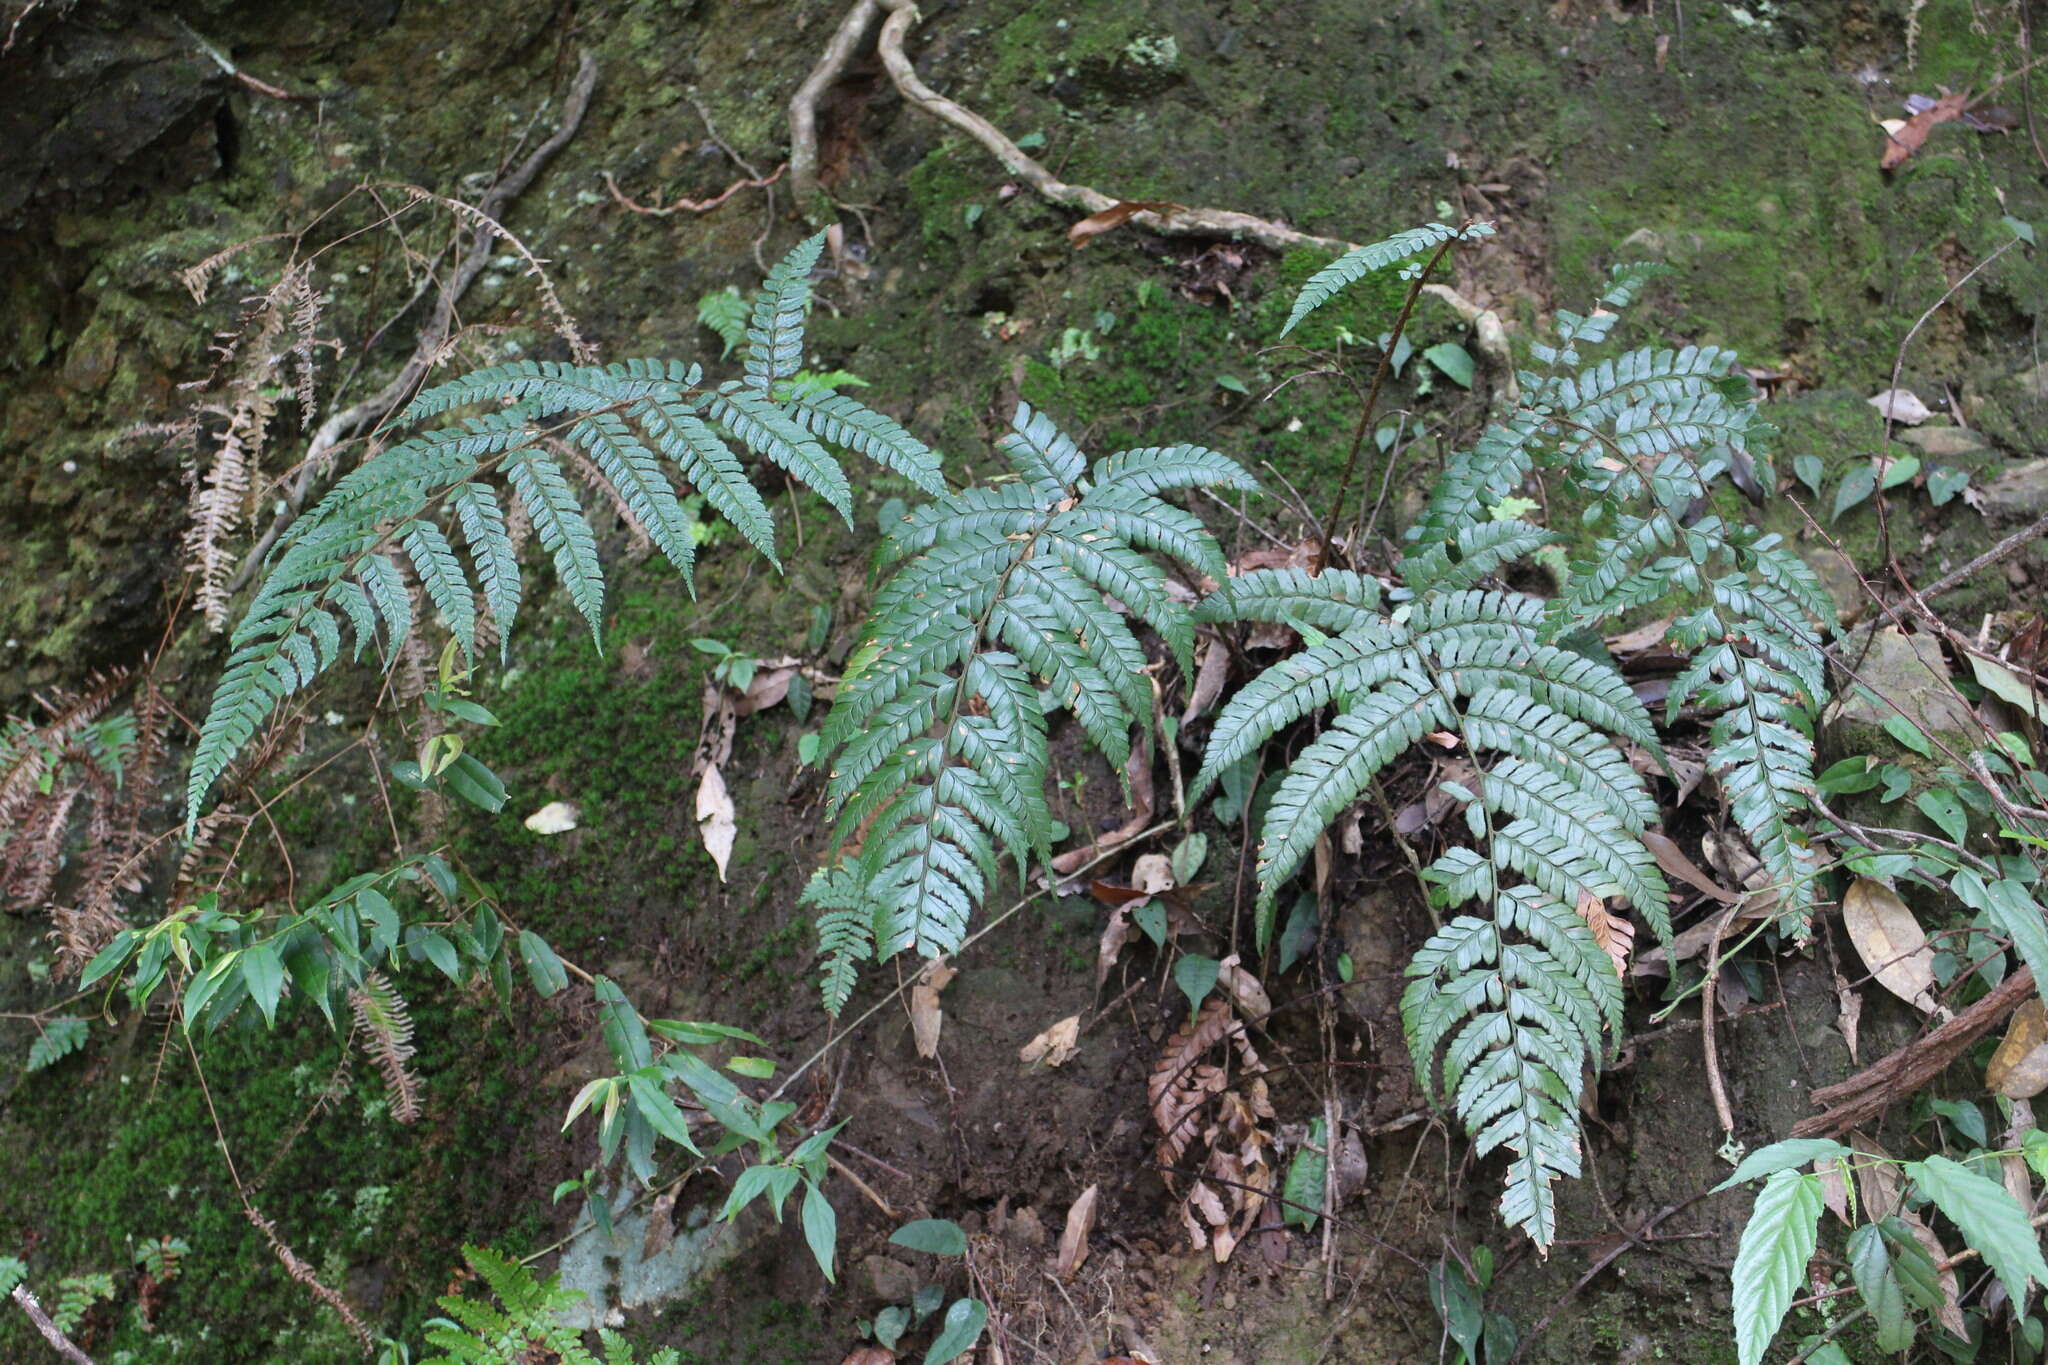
1372,399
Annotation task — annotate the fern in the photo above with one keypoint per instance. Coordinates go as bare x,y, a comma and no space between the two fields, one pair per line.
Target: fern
1357,263
648,427
524,1327
939,727
1507,1004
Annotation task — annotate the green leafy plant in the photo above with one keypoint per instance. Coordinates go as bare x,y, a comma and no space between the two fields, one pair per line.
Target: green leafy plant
939,728
630,430
1892,1271
1457,1290
1520,993
523,1327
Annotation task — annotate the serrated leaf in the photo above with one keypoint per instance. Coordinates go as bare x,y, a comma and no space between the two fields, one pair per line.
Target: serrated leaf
1870,1263
1770,1261
1990,1219
1788,1155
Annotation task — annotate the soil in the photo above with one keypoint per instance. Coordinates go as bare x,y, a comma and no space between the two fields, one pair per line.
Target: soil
1736,144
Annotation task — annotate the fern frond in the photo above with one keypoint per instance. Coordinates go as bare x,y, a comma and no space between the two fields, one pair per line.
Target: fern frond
763,427
440,576
1338,668
551,504
381,1015
1359,262
1473,555
938,730
1333,600
775,336
852,425
1155,469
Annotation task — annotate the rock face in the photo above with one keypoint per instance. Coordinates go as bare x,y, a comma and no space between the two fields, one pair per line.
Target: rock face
2018,494
1891,674
1944,443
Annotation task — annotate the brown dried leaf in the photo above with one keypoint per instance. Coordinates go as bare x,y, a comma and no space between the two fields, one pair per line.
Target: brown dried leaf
1878,1184
925,1017
1056,1046
1902,142
2019,1069
1074,1241
1890,942
1152,874
769,687
716,819
1951,1311
869,1355
1115,934
1834,1185
1115,216
1613,931
1672,859
1212,671
1246,989
661,1225
1849,1012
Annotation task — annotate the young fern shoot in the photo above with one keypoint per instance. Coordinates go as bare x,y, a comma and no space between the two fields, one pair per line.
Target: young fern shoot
939,726
642,429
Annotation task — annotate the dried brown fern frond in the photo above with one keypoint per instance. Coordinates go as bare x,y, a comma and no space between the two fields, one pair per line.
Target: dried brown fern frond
385,1028
28,750
1194,1099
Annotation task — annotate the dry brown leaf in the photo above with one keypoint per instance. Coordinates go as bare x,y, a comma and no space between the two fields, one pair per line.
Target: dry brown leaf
1951,1311
661,1224
2019,1069
1115,216
1115,934
1849,1012
1642,639
1613,931
926,1019
1212,672
869,1355
716,822
1890,942
1902,142
1878,1185
1834,1185
1672,859
2019,1181
770,686
1152,874
1056,1046
1252,1001
1074,1241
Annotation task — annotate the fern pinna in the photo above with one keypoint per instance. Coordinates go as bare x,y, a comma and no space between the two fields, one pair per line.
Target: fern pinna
939,725
639,431
1516,994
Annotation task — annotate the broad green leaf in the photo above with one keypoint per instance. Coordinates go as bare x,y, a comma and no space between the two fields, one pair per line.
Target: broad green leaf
1871,1265
1770,1262
821,1228
661,1113
1783,1156
543,968
475,783
958,1332
436,949
624,1034
890,1325
1856,485
1196,977
263,972
1899,471
1307,1177
1908,734
1990,1219
1454,361
1942,807
108,959
760,1068
939,1236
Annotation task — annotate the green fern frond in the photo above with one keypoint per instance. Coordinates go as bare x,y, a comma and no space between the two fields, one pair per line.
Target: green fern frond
1333,600
648,427
938,730
1474,554
529,1320
1359,262
775,337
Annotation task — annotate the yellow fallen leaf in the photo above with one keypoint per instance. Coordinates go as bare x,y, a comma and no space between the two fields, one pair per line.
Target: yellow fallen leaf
2019,1069
1890,942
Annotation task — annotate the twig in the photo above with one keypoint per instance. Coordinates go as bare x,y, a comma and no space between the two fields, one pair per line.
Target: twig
1709,1043
58,1341
1178,221
691,205
220,59
2004,549
349,421
1884,1082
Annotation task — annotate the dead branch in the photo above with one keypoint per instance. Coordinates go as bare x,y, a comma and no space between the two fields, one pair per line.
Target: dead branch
361,416
58,1341
1890,1079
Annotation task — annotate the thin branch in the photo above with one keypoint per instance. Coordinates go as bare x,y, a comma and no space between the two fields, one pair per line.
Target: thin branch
58,1341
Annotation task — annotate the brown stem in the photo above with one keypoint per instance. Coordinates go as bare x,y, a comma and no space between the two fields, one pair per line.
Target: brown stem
1372,399
58,1341
1890,1079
